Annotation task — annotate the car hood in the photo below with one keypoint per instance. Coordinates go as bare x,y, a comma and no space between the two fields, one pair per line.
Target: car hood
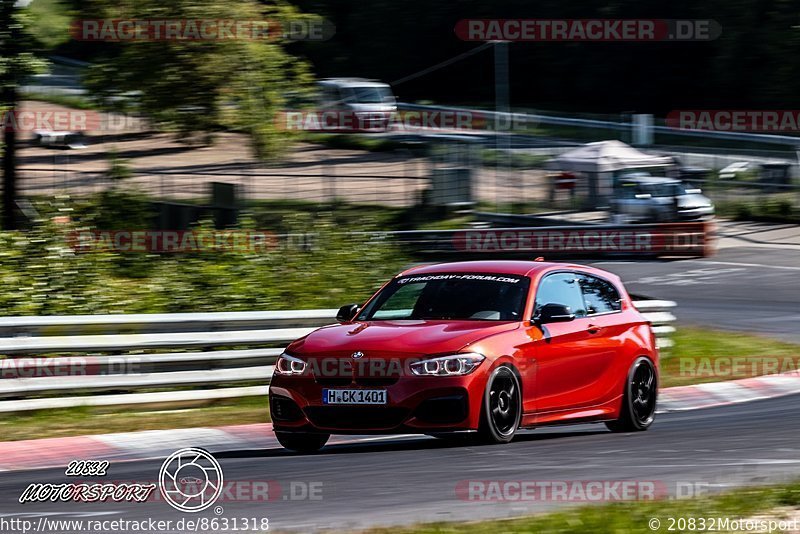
408,337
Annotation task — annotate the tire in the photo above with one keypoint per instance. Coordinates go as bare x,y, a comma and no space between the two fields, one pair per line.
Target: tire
639,398
501,411
302,442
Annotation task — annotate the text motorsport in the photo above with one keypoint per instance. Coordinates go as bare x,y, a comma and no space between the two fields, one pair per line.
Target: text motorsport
190,480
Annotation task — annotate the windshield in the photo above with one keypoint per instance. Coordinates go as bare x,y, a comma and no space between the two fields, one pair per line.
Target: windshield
457,296
369,95
666,190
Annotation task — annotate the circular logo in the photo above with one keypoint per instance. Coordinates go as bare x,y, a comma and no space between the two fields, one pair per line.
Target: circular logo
357,355
190,480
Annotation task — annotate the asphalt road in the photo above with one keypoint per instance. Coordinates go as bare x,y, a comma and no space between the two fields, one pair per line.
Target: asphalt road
393,481
743,289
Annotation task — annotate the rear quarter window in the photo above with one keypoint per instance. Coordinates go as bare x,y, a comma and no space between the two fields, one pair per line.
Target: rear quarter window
599,295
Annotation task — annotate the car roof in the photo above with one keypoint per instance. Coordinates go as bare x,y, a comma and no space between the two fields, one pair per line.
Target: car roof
353,82
649,180
515,267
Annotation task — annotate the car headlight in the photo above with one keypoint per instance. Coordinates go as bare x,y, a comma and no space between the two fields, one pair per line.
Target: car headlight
450,365
289,365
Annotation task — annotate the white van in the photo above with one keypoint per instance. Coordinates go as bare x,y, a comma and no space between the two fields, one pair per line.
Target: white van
370,103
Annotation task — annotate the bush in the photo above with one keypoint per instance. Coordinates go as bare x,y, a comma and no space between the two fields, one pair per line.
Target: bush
42,274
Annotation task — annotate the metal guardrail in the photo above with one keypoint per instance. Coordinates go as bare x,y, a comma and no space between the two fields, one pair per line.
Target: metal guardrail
533,119
42,383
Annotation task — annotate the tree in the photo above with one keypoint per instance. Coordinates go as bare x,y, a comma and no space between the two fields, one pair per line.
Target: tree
15,63
202,85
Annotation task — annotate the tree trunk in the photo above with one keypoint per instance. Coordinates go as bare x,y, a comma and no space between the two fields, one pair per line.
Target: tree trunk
9,166
9,101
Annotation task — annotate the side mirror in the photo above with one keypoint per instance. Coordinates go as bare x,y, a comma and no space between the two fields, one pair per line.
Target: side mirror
346,313
693,191
553,313
644,196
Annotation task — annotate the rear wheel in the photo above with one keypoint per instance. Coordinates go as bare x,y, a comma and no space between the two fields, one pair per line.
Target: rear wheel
502,407
639,399
302,442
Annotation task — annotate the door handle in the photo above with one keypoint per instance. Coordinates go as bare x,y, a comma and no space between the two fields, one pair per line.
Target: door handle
593,329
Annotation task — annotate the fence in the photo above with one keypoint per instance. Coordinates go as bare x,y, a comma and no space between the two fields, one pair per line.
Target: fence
151,357
504,171
389,183
392,180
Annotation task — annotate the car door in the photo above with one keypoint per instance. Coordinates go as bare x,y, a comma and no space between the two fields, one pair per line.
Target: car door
561,350
597,375
642,203
625,198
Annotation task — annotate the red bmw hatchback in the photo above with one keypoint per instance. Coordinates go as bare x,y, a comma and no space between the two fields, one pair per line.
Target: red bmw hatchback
484,347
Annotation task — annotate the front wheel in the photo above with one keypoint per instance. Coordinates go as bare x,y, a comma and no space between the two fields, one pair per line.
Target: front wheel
302,442
502,407
639,398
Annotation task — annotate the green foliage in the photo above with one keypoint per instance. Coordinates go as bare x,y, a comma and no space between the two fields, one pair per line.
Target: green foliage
87,420
16,43
698,345
41,274
194,86
70,101
513,160
49,22
767,208
118,170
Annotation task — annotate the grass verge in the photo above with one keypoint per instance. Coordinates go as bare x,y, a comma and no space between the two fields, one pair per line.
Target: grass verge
87,420
773,502
702,355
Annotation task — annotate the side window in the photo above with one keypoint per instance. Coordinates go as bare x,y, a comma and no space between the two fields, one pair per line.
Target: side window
561,288
329,96
627,191
599,296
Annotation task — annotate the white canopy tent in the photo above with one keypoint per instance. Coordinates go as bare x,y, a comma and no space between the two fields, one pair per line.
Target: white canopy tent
607,156
599,162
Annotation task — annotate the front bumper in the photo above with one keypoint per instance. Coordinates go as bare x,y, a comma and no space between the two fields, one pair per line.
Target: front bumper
415,405
693,214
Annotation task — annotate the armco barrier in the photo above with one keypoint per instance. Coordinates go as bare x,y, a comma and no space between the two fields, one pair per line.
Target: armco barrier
630,240
31,382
